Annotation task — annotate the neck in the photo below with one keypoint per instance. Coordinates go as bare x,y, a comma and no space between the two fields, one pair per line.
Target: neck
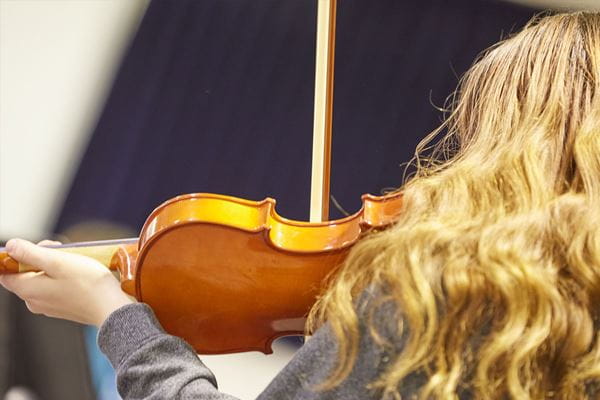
100,250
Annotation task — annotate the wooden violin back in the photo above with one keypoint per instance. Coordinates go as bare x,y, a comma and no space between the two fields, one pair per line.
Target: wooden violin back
231,275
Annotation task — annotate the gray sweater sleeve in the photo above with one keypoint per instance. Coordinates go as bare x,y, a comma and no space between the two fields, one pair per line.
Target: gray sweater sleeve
151,364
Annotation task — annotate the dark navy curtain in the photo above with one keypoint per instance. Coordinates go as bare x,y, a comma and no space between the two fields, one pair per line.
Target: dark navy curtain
217,96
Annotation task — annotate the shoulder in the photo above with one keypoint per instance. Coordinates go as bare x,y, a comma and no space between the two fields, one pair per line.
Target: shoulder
381,338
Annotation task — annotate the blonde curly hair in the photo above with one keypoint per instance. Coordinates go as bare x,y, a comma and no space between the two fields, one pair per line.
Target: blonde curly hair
494,262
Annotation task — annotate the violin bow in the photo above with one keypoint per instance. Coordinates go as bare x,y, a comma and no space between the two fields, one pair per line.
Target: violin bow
323,111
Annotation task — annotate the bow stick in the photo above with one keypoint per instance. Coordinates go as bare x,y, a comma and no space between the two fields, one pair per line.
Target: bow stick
323,112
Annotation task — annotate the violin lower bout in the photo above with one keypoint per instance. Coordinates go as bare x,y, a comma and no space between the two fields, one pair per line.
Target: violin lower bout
226,290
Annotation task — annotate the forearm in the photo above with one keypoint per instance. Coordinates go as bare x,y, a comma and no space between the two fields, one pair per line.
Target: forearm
151,364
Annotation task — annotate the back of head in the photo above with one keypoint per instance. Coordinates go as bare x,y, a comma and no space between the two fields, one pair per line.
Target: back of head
494,263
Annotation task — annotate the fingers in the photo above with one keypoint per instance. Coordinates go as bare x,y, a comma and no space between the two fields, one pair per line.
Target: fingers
39,257
34,288
49,243
26,285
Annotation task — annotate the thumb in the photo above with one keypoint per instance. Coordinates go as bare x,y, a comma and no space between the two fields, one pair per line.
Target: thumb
39,258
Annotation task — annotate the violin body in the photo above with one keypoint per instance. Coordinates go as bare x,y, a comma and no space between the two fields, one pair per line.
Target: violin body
231,275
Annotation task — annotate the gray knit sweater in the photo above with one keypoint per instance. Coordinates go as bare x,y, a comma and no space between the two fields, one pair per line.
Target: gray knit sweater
151,364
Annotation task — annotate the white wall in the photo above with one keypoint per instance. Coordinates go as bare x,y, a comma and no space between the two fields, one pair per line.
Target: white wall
57,60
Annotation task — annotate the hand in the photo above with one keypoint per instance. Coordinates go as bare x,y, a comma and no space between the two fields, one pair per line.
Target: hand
68,286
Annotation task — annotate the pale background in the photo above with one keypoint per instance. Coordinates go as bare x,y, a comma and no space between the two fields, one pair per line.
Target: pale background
57,61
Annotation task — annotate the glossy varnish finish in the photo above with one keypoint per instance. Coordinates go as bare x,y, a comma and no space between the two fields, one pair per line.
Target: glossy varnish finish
232,275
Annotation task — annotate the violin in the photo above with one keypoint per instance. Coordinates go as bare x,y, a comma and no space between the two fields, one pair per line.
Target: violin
231,275
228,274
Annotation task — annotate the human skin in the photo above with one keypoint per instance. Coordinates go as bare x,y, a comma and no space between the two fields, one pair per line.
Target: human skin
67,286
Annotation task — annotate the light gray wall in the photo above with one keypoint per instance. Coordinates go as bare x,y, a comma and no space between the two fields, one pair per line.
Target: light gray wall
57,59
